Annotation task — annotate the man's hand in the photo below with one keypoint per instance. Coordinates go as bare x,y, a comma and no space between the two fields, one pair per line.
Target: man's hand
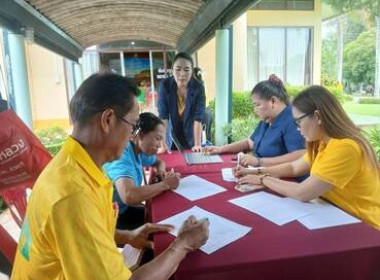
139,236
192,234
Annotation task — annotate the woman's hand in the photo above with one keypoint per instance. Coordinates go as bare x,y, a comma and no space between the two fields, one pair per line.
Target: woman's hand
247,159
171,180
197,149
250,180
239,171
212,150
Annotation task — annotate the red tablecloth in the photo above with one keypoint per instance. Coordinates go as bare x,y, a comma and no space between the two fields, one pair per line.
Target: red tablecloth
269,251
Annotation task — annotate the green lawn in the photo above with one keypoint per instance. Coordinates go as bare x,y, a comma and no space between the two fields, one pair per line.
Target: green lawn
362,109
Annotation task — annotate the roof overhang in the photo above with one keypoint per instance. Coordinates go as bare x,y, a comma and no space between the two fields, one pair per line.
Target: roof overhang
17,15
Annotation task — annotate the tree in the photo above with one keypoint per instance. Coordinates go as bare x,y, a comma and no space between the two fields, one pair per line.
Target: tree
371,10
329,59
359,59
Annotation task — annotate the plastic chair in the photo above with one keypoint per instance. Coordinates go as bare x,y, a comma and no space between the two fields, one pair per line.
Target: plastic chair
8,245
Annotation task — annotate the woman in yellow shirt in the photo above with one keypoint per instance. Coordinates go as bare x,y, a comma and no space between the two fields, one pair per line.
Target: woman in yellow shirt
342,164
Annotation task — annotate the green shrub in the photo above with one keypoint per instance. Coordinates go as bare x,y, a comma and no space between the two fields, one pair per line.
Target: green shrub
241,104
240,129
348,97
369,100
52,138
374,138
293,91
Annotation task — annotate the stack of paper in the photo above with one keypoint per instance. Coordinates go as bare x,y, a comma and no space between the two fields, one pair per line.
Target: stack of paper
313,215
194,187
227,175
222,231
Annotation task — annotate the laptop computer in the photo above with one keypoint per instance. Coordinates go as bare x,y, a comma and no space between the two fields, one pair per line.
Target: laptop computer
195,158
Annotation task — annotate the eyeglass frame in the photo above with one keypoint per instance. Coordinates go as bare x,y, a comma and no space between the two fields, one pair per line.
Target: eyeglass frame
297,121
135,127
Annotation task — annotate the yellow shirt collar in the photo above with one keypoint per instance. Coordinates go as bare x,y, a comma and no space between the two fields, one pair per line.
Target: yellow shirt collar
74,149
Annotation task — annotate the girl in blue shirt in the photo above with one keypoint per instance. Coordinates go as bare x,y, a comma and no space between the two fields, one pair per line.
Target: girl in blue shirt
128,175
276,138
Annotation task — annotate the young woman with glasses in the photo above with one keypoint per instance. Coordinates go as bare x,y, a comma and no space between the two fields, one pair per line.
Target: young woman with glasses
342,164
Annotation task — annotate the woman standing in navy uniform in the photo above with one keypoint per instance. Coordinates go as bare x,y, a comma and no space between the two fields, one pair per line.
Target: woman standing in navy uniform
181,104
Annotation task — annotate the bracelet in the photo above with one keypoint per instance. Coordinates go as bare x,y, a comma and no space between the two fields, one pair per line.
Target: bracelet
259,162
262,179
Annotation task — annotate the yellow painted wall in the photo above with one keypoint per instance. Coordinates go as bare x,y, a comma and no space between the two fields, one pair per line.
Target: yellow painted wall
206,55
206,61
47,87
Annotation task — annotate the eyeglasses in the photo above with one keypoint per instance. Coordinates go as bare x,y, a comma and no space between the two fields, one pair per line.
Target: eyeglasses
297,121
135,127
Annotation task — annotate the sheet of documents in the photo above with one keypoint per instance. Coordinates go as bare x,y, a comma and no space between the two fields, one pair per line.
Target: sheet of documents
269,206
325,215
222,231
313,215
227,175
194,187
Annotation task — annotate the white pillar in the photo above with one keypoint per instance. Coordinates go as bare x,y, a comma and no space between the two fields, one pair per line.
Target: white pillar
222,86
19,71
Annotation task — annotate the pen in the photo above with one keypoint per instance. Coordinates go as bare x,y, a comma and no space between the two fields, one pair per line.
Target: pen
200,221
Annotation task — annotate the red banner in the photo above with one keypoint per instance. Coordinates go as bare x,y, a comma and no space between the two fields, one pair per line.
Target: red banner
22,156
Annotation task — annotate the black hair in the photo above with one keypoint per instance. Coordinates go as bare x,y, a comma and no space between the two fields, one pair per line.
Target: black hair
148,122
184,55
270,88
100,92
197,72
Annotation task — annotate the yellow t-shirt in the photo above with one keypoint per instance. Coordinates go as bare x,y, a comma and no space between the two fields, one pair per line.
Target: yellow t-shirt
356,185
68,232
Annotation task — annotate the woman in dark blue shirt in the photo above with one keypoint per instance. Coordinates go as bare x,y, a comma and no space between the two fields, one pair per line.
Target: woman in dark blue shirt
276,139
181,104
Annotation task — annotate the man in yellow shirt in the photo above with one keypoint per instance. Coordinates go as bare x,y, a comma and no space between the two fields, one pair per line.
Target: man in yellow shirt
69,228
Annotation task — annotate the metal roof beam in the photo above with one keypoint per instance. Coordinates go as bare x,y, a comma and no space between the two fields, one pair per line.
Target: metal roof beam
17,15
215,14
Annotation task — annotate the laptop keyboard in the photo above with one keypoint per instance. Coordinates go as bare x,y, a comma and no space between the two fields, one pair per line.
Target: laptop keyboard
199,158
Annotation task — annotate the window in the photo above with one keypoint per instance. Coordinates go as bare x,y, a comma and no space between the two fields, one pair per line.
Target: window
307,5
285,52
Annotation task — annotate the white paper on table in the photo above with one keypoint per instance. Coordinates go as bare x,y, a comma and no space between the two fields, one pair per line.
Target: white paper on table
194,187
222,231
322,215
227,175
270,207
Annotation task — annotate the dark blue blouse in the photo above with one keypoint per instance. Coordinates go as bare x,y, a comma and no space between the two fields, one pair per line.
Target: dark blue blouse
194,109
280,138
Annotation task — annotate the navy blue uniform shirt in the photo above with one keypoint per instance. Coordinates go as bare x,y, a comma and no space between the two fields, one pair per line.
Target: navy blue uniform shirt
194,109
280,138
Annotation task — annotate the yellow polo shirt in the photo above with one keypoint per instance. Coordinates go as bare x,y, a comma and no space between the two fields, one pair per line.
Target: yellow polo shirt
356,185
68,232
